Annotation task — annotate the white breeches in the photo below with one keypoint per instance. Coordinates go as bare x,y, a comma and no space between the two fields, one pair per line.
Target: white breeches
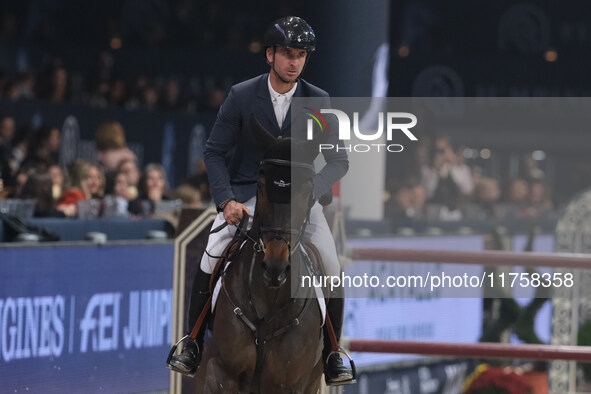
317,233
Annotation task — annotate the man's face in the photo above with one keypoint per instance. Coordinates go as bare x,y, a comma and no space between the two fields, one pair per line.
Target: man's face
288,63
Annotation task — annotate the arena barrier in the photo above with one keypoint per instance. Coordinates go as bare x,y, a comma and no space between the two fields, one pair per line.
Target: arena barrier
462,350
493,258
474,350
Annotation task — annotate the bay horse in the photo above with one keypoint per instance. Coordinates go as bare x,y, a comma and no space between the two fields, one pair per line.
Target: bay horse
264,340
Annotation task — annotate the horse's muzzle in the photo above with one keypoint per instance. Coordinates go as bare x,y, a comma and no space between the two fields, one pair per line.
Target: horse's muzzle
275,273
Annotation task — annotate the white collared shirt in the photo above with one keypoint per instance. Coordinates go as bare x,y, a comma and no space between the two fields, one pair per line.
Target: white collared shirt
281,102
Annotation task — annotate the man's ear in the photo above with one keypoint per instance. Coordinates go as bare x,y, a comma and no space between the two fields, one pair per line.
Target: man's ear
270,54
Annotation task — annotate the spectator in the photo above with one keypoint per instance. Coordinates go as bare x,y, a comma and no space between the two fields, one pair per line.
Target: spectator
418,198
83,178
39,188
110,142
11,91
153,185
3,80
189,195
26,84
398,202
117,190
150,98
136,97
538,199
20,147
57,179
117,93
170,99
200,181
152,189
101,77
54,84
449,179
517,196
214,99
406,201
530,168
20,179
95,182
117,185
487,193
517,192
6,137
130,168
43,148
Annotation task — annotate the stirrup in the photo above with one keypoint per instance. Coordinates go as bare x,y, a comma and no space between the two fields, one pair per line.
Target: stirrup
173,351
352,364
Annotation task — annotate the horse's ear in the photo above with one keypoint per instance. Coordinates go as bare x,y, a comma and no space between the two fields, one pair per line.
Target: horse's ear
262,136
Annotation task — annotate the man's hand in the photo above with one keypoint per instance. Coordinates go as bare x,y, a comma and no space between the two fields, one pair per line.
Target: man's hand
233,212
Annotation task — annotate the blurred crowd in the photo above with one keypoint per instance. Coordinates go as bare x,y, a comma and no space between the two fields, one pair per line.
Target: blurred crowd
439,184
130,25
104,88
204,24
113,186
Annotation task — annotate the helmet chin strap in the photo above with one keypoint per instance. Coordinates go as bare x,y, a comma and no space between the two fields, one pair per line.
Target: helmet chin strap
275,71
279,76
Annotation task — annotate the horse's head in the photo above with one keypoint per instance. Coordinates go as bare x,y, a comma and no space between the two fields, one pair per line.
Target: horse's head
284,199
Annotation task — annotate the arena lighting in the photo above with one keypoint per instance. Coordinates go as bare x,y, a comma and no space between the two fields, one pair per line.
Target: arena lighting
538,155
485,153
470,153
255,47
403,51
116,43
551,55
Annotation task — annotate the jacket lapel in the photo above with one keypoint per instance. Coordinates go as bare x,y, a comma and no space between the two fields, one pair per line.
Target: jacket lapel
287,121
265,112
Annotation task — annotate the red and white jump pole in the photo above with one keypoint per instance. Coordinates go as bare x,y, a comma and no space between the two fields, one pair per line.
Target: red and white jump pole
491,258
472,350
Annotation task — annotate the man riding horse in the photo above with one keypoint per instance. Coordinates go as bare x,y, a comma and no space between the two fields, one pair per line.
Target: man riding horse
233,180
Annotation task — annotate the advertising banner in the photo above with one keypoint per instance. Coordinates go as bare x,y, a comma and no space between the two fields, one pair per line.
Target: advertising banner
85,318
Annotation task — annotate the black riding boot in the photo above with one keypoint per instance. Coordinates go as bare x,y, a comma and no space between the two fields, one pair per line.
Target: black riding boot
335,372
188,360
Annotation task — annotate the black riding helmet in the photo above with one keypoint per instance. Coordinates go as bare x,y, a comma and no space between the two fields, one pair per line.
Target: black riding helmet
290,32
